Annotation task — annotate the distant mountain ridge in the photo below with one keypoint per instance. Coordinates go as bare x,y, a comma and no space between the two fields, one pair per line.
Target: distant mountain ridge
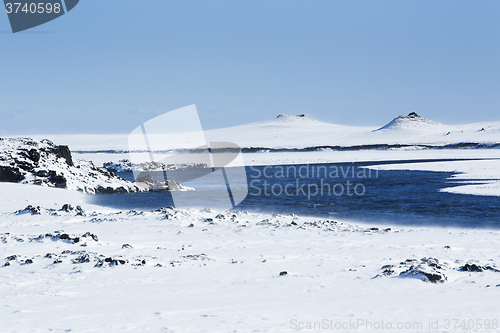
300,131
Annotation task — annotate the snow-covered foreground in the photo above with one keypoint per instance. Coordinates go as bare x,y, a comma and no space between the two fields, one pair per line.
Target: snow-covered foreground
207,271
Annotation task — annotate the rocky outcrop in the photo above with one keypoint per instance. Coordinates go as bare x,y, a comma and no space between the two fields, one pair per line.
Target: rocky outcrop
28,161
472,266
425,269
147,182
10,174
431,269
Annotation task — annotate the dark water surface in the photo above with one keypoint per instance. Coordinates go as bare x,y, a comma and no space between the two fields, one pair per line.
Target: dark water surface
395,196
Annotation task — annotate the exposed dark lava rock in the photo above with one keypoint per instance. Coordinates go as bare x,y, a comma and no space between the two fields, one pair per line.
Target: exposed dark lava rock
425,269
64,152
57,180
78,210
112,262
30,210
84,258
471,267
66,208
387,270
67,238
428,270
10,174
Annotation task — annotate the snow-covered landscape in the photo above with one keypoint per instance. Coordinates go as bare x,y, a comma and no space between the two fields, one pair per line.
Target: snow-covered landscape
249,166
72,265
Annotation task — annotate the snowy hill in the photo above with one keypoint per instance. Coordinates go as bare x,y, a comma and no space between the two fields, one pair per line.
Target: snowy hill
286,131
300,131
414,122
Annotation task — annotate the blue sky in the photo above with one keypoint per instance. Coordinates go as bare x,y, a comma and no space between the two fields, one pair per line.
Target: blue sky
107,66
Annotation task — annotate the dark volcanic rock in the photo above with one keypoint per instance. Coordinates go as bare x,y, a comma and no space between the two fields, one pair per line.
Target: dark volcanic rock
64,152
78,210
84,258
471,267
110,190
58,180
10,174
112,262
67,238
425,269
387,270
30,210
